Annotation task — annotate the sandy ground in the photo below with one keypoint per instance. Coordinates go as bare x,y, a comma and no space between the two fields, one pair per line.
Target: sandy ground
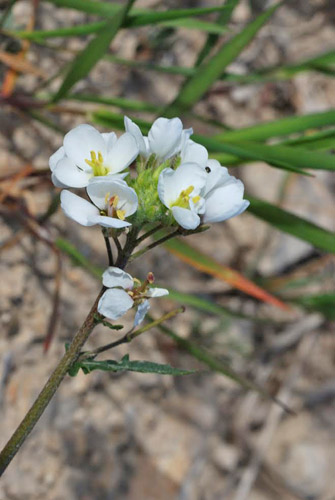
150,437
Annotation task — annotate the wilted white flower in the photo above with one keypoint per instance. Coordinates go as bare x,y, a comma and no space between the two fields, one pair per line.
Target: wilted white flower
86,154
165,138
113,201
195,194
125,292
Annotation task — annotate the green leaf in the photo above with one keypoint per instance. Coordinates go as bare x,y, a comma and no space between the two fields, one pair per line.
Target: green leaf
93,52
324,303
125,365
142,17
222,20
207,73
286,157
285,126
149,18
207,264
217,365
120,102
77,257
292,224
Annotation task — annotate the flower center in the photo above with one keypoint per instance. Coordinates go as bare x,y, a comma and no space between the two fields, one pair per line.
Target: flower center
183,199
112,207
97,164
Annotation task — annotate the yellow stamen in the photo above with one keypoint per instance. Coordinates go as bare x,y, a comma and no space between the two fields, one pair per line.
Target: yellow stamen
121,214
183,199
195,199
97,164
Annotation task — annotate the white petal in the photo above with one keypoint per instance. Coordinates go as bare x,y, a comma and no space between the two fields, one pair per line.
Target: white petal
194,153
79,142
122,154
99,190
78,209
56,182
135,131
105,221
142,310
225,202
54,159
114,303
216,175
69,175
164,136
172,182
110,139
157,292
114,276
186,218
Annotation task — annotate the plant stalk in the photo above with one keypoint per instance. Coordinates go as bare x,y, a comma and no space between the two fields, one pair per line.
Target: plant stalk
42,401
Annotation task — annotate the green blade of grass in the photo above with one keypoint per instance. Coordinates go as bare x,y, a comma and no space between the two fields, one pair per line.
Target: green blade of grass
282,127
93,52
217,365
142,17
150,18
292,224
206,74
222,20
204,263
291,158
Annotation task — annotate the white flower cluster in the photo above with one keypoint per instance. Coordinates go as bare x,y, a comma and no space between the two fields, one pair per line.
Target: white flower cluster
192,188
176,183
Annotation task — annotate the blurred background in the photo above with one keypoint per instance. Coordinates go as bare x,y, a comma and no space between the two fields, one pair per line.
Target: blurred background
146,436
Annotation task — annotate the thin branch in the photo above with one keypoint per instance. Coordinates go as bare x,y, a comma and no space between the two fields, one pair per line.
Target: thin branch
118,245
42,401
155,244
108,248
148,233
131,335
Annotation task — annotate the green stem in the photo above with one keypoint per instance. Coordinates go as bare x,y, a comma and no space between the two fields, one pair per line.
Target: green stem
154,244
42,401
131,335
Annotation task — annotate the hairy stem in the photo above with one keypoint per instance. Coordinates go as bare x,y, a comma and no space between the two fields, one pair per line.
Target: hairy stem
42,401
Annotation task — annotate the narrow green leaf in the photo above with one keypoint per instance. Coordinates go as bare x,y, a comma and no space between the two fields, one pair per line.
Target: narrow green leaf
286,157
283,127
207,73
222,20
120,102
292,224
150,18
142,17
77,257
217,365
125,365
93,52
324,303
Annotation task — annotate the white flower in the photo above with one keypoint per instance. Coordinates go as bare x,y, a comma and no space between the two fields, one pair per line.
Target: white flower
86,154
198,195
124,292
181,191
113,200
165,138
223,194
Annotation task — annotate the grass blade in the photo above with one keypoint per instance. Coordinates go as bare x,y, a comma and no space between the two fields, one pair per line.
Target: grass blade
222,20
93,52
207,73
292,224
282,127
217,365
202,262
286,157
